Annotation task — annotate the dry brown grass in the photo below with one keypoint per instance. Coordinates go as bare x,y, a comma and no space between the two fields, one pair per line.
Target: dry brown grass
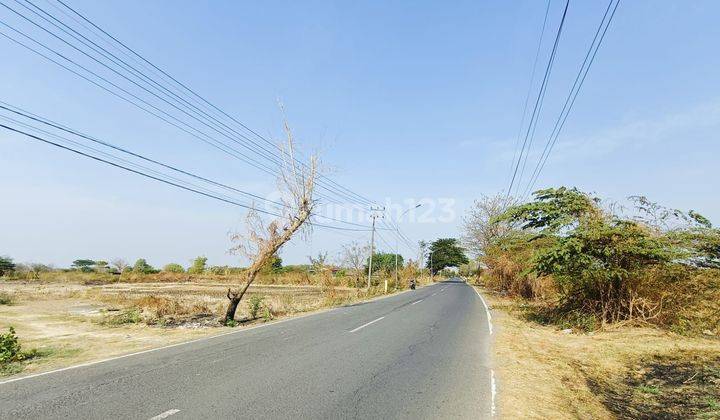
622,372
509,273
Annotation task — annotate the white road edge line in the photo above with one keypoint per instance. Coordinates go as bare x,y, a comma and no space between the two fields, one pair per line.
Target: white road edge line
487,310
365,325
493,392
417,301
109,359
165,414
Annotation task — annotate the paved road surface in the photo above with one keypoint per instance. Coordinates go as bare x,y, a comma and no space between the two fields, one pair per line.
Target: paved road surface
419,354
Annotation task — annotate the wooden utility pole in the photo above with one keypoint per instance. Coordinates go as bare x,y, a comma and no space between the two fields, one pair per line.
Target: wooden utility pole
372,246
372,249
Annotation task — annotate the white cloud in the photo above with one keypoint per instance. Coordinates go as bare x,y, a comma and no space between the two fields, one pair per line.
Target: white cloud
640,134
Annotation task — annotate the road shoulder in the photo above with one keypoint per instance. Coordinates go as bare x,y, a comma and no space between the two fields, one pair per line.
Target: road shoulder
544,372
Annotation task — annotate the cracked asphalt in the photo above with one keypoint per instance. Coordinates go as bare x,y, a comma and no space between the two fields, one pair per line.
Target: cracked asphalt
418,354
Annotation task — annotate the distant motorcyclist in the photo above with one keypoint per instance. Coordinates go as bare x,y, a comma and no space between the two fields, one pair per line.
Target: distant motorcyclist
412,284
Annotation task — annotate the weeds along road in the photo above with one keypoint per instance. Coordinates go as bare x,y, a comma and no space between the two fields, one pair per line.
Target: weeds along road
418,354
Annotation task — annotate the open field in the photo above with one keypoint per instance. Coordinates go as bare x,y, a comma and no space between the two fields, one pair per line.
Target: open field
620,372
72,320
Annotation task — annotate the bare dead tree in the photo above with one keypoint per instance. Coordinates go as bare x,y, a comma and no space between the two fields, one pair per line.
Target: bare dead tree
120,264
354,256
262,239
319,263
481,230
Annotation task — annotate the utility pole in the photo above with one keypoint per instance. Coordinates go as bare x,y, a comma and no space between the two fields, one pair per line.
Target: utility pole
372,248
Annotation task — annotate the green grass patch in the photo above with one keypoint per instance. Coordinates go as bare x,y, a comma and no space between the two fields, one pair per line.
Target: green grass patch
127,316
649,389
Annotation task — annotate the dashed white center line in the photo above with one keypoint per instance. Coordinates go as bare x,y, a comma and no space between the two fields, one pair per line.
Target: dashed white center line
165,414
418,301
369,323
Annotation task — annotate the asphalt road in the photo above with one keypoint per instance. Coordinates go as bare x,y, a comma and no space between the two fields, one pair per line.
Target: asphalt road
418,354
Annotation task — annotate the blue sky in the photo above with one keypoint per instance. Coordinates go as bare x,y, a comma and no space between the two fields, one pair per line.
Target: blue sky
403,100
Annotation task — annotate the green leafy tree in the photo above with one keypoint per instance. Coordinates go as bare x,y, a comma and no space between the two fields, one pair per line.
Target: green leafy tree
597,259
273,265
102,266
702,245
84,265
6,265
198,266
446,252
173,268
142,267
553,210
385,261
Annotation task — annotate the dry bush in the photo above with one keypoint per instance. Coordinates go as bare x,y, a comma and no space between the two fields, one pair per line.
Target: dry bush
161,306
688,299
509,271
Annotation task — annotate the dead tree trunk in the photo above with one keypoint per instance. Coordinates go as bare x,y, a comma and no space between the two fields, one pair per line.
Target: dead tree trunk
269,248
262,241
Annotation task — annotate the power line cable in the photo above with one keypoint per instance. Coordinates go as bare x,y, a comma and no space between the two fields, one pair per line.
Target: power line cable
139,169
196,134
567,106
254,163
337,189
539,100
529,91
36,118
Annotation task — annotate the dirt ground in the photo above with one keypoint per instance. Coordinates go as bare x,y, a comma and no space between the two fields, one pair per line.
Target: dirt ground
624,372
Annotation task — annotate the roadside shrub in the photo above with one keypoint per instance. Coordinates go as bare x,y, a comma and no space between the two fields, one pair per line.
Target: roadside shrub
219,270
267,314
142,267
599,269
198,265
6,265
590,266
254,304
173,268
6,299
10,349
128,316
